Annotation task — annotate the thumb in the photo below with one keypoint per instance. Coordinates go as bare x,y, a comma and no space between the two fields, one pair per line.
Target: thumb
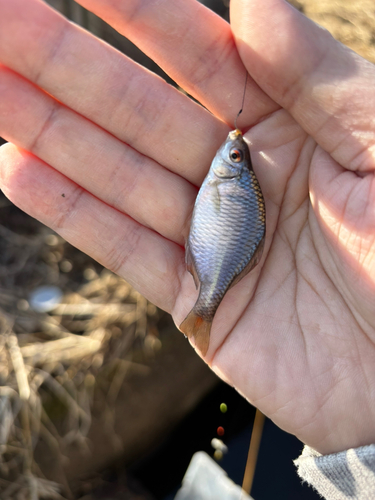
325,86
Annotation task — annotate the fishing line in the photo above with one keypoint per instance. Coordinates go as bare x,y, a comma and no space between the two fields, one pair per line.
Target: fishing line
243,102
257,431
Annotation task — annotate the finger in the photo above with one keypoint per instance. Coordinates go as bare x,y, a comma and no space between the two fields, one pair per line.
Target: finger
98,82
194,46
325,86
93,158
149,262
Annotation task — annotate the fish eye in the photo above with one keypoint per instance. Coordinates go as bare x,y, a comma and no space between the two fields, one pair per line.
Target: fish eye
236,155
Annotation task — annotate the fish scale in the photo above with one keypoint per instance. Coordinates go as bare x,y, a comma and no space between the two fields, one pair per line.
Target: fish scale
226,235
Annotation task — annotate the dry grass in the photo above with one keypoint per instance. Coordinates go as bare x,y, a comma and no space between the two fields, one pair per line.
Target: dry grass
351,22
50,363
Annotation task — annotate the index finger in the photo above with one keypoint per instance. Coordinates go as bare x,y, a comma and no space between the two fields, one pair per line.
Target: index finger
326,87
127,100
100,83
195,47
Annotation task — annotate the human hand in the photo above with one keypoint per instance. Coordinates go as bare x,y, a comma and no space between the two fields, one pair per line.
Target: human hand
111,157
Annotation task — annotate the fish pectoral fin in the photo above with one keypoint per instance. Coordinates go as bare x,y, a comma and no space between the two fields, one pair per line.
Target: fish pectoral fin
253,262
215,195
198,329
191,266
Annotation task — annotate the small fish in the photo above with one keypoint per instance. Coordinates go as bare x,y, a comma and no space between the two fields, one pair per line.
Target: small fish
227,233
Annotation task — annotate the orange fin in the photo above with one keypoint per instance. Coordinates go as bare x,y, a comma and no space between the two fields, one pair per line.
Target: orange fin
198,328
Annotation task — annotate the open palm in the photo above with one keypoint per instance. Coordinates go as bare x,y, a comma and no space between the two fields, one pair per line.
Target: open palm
111,157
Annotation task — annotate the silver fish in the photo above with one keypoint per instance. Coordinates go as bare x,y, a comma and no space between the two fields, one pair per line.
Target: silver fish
226,236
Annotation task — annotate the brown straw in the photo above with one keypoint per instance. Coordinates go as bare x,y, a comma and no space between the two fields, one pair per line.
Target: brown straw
252,457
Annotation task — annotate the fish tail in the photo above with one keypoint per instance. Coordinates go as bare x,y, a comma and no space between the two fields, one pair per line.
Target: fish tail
196,327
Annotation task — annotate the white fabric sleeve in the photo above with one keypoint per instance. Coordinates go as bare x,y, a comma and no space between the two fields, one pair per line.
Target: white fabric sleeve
349,474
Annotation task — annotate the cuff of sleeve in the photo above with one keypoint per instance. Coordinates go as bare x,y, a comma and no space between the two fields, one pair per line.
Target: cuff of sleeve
349,474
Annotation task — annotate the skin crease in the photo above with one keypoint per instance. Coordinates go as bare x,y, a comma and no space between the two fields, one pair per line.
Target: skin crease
296,336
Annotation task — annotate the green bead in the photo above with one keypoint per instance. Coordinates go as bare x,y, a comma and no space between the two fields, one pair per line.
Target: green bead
223,408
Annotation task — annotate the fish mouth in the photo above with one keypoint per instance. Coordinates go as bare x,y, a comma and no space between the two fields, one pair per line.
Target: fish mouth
235,134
